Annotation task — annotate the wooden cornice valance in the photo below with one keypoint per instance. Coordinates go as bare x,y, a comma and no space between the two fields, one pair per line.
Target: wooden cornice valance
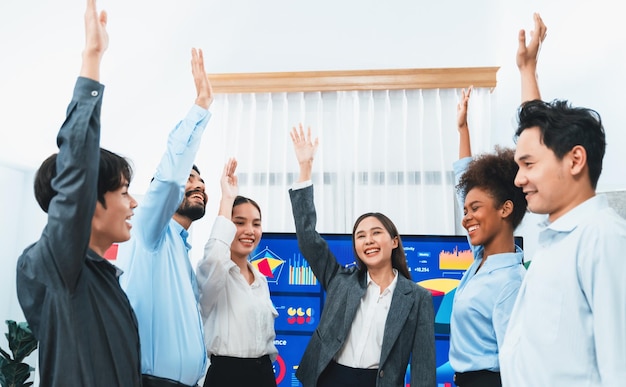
441,78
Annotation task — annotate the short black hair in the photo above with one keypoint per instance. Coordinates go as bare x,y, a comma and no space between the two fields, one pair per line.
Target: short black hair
562,127
112,171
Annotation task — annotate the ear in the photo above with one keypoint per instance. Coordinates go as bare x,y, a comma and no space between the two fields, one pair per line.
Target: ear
100,206
577,160
506,209
395,242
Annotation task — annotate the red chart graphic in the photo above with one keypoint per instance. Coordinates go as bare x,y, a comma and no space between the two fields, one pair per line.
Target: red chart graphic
280,369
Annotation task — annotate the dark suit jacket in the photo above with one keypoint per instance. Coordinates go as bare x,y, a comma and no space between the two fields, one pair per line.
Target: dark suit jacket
409,329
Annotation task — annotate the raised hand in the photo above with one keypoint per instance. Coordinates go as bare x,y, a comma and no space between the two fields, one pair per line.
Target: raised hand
527,57
228,182
230,188
203,86
461,108
305,149
465,149
304,146
527,54
96,41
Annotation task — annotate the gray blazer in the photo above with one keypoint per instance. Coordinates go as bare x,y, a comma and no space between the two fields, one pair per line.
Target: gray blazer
409,329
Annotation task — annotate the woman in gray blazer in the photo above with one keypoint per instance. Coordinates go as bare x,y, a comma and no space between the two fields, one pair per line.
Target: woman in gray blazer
375,317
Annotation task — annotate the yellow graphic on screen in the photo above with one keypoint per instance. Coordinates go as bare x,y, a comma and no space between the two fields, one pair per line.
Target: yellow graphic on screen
439,286
269,264
300,316
455,259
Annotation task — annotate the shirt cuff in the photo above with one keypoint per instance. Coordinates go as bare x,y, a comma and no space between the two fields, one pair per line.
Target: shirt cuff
198,113
86,88
301,184
223,230
461,164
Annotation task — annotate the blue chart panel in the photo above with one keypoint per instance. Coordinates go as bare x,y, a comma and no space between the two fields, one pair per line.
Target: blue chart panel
436,262
279,259
290,350
341,246
297,313
436,257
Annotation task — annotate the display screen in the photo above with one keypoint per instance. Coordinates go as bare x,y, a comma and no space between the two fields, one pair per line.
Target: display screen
436,262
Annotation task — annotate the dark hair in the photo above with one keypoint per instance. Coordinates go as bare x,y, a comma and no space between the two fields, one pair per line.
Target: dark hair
495,173
242,199
112,170
398,257
43,178
563,127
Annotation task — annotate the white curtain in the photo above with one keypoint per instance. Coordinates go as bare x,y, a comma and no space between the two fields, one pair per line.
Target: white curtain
387,151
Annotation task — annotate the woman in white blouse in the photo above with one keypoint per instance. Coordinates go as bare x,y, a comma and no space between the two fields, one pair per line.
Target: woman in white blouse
234,296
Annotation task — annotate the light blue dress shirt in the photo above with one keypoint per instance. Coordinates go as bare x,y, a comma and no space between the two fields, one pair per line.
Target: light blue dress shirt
568,326
158,277
482,303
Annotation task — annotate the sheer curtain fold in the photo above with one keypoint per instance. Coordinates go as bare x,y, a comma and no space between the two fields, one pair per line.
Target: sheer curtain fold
388,151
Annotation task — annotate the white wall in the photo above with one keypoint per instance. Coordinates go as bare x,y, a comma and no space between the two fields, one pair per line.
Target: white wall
149,86
21,222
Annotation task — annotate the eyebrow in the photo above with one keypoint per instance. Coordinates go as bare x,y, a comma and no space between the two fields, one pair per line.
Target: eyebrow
199,178
371,229
472,203
245,218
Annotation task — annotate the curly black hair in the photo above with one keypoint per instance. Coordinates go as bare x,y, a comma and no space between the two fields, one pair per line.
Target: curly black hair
495,174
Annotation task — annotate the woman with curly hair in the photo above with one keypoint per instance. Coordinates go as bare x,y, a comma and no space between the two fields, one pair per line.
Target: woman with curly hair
493,207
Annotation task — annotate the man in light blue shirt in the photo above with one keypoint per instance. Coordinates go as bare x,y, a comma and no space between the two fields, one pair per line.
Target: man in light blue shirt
158,277
568,325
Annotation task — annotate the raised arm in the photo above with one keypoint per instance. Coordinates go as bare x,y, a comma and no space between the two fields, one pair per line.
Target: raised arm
71,209
312,246
96,41
230,189
305,149
167,189
527,56
214,265
465,149
204,90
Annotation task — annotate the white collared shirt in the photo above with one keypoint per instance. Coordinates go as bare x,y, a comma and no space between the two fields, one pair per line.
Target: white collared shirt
238,317
364,342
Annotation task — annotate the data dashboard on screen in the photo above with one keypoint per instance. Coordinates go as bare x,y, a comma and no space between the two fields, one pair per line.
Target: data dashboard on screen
436,262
